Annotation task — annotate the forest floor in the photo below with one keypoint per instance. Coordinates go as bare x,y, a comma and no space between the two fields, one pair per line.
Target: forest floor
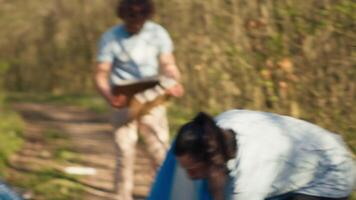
57,137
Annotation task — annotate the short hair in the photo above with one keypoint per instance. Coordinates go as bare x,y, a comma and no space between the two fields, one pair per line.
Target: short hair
123,8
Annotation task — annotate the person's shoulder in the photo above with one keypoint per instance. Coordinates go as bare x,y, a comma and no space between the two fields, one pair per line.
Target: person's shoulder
154,27
244,116
236,112
151,24
227,117
258,117
113,32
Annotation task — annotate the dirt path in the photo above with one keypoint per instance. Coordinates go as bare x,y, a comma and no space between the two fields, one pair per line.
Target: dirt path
90,137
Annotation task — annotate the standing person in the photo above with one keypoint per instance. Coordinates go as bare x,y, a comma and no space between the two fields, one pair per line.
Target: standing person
133,51
251,155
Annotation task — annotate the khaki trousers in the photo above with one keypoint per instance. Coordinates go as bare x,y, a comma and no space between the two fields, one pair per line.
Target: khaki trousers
153,128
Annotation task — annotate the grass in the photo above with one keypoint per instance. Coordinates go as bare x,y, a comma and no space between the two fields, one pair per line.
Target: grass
46,184
92,102
66,155
54,134
176,114
49,184
11,127
61,148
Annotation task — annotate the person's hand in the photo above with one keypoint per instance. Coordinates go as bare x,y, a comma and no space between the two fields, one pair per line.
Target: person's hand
118,101
176,91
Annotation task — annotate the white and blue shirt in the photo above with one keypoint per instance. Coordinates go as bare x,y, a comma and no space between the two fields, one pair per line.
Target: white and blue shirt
276,155
280,154
134,56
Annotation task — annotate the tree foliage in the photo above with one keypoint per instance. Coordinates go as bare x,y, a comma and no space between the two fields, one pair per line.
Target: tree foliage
288,56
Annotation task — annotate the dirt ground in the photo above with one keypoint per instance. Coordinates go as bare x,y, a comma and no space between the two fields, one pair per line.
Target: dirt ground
89,136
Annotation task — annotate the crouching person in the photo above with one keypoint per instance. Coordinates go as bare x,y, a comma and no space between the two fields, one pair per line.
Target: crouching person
250,155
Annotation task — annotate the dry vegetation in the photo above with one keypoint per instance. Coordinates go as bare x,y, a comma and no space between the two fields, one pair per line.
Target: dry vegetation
291,57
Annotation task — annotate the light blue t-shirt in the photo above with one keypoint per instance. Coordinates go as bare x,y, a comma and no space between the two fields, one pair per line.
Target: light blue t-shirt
134,56
279,154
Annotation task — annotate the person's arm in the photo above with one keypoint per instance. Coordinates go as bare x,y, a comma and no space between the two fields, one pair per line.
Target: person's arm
101,79
170,69
168,66
105,57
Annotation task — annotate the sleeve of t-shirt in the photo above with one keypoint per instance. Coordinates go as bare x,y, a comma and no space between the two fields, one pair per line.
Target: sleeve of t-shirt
165,41
105,52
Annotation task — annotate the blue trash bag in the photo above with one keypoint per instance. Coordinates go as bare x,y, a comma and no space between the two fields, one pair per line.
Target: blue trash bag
6,193
172,183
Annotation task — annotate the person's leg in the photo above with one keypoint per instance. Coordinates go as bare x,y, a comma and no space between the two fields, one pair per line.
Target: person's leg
125,133
155,131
